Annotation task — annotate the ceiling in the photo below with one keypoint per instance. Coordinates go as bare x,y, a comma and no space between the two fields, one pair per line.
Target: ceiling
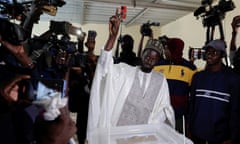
138,11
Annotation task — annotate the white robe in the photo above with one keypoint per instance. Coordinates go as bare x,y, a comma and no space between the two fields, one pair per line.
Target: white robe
111,85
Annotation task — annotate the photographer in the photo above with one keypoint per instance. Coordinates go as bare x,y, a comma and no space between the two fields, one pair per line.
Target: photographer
17,123
18,114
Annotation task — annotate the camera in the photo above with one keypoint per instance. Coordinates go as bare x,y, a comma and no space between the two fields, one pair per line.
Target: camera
146,28
214,14
63,27
13,33
163,39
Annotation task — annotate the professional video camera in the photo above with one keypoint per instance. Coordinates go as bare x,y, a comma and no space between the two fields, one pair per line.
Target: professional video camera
63,27
146,28
55,41
214,14
163,39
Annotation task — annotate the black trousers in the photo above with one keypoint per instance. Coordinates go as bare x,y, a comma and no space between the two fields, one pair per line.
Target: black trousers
197,140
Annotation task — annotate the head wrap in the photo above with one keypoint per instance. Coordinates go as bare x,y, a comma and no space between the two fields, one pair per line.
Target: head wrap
154,44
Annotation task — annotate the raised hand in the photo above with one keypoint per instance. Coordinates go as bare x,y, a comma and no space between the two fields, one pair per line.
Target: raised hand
10,91
235,23
114,23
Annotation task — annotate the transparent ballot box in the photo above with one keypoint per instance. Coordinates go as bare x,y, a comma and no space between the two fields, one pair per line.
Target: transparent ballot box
137,134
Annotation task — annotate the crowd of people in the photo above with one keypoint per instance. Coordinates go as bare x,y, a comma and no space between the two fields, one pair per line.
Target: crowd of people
157,87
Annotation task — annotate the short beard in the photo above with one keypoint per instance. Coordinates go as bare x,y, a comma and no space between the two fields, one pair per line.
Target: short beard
146,70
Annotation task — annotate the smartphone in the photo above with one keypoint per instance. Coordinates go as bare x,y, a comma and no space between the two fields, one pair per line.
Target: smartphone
37,89
123,12
196,53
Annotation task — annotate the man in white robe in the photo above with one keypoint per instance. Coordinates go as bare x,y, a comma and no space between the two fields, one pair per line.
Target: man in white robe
123,95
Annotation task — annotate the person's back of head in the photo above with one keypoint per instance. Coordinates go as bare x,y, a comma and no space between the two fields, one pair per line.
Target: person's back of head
175,46
127,43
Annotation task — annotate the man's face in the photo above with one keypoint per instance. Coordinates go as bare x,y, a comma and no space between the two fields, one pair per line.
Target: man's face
149,60
213,57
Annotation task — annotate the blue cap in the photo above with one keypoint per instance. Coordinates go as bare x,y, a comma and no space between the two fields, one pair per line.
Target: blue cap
217,45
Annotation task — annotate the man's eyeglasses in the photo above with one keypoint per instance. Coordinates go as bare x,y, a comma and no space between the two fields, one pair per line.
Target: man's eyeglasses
212,53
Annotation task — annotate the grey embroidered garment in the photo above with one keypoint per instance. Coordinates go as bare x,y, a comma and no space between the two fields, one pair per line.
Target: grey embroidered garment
138,105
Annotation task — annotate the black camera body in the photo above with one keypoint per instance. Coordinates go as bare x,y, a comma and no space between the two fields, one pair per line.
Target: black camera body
13,33
146,28
215,14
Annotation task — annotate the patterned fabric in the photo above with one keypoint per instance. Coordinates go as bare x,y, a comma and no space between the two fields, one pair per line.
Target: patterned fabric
139,105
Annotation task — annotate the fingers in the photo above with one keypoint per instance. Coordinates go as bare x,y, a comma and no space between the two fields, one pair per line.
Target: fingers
236,20
64,114
116,12
10,91
18,79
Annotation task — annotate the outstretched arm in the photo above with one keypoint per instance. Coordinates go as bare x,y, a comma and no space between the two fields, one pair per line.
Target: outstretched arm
114,23
233,47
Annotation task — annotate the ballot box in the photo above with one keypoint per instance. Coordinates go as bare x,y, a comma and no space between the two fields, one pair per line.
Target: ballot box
138,134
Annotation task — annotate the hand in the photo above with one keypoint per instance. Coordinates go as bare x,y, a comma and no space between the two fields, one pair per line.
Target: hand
10,91
19,52
114,23
235,22
52,105
58,131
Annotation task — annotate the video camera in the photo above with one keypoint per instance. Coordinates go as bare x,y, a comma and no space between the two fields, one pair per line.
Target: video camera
63,27
163,39
146,28
214,14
